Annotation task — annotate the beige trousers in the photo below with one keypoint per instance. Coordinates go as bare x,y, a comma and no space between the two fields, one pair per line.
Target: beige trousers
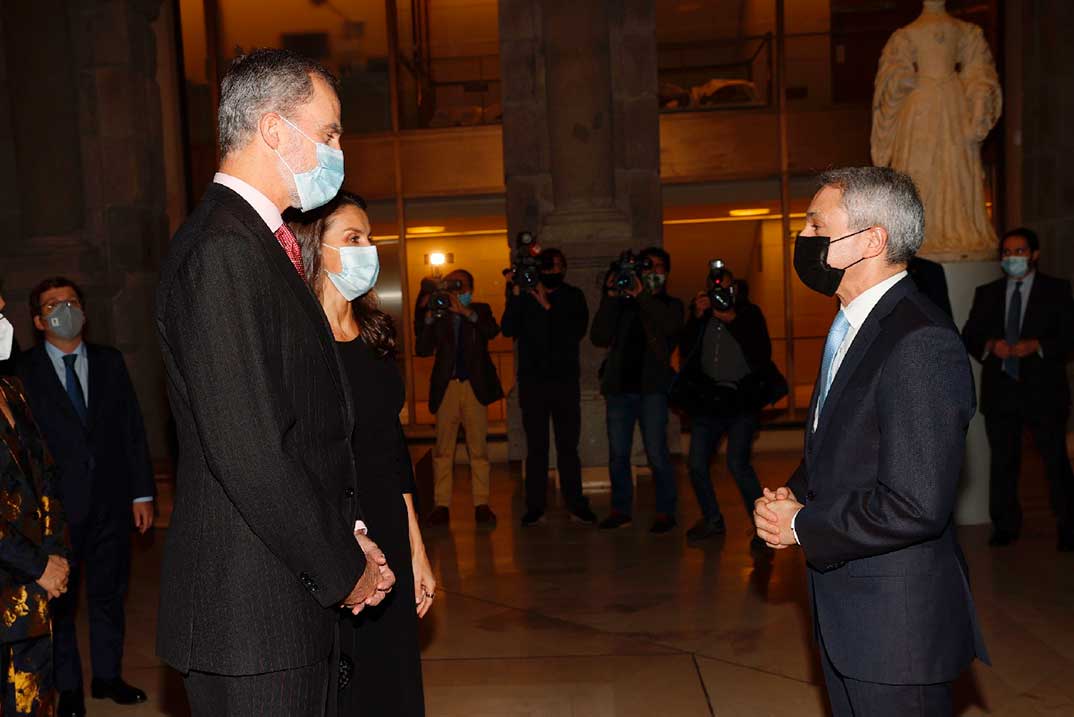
460,405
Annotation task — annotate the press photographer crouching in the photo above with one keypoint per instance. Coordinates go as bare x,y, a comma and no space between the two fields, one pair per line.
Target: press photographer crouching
548,319
462,384
638,323
726,378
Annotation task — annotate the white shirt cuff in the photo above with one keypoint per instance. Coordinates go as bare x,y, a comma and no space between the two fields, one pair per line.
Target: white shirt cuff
144,499
793,531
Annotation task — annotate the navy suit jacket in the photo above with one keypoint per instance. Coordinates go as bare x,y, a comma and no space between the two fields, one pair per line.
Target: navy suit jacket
889,583
107,459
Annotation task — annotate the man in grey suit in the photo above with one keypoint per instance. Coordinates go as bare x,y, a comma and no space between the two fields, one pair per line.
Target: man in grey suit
872,502
265,544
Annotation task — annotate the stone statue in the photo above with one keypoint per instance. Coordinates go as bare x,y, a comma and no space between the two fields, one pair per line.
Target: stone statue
937,97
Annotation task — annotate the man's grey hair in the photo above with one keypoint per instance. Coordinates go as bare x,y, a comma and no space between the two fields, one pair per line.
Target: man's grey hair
263,81
882,197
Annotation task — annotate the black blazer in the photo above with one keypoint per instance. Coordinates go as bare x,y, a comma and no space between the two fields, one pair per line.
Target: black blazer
879,479
106,460
931,281
32,520
260,551
1049,318
439,338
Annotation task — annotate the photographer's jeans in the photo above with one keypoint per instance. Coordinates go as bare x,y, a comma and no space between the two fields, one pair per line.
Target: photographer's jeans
705,435
651,411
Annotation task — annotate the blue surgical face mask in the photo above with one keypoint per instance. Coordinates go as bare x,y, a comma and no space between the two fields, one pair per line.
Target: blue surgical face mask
1015,266
466,298
361,267
319,185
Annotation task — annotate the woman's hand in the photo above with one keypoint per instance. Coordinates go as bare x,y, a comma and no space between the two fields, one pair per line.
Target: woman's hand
54,579
424,581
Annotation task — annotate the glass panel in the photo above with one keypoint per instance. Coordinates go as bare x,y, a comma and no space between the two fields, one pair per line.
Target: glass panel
465,233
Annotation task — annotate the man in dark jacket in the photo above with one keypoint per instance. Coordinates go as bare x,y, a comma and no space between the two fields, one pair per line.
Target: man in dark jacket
1021,329
462,385
548,322
723,347
83,400
639,325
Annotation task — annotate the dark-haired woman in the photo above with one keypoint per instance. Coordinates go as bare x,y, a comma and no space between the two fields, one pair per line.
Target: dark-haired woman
33,551
380,645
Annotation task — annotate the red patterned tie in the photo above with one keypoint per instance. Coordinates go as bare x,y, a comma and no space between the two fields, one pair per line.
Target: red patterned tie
287,240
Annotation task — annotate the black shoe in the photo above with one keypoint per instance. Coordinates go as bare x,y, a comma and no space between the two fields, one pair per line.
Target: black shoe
483,515
1001,539
663,523
440,515
584,515
615,520
72,704
116,690
705,529
532,518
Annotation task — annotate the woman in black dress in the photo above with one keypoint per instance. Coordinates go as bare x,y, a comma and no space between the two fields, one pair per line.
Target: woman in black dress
380,645
33,552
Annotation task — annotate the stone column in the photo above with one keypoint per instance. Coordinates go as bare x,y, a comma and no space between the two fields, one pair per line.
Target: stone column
581,150
90,204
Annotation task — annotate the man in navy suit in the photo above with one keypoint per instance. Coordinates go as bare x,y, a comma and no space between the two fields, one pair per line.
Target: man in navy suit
872,502
83,400
1021,329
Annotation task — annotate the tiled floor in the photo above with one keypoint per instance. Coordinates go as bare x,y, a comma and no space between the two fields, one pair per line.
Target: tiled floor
561,620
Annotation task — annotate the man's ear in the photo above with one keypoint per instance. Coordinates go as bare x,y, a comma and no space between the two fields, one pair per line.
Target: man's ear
1035,256
39,323
269,127
876,242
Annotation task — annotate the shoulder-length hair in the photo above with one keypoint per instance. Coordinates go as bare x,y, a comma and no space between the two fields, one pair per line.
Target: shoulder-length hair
375,327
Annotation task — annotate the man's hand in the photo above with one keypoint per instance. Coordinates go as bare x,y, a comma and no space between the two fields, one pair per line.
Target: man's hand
1025,347
636,288
457,307
143,515
702,303
1001,350
540,293
772,515
54,579
376,581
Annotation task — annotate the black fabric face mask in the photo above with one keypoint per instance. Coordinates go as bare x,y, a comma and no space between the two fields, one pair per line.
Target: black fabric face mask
552,281
811,262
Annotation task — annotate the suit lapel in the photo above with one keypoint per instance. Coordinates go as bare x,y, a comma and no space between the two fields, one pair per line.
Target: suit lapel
857,351
97,387
46,376
1032,303
282,266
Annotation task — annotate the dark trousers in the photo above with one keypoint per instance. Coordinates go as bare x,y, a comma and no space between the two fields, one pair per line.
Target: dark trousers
624,410
559,401
705,435
101,549
1005,439
854,698
26,671
301,692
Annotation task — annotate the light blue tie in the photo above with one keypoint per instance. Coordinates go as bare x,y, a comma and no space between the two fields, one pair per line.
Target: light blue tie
836,334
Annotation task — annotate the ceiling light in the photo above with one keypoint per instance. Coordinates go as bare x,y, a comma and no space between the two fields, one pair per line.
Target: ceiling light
438,258
425,230
754,212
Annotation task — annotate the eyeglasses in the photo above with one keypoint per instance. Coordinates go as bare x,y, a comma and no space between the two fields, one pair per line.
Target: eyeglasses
52,305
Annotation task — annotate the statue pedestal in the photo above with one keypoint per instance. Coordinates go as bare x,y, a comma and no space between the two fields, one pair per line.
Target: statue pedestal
963,278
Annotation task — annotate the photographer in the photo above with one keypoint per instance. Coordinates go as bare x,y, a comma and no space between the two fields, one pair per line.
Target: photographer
462,384
725,353
638,323
548,322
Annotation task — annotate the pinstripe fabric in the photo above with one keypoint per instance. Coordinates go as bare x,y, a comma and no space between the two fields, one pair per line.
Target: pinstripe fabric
288,693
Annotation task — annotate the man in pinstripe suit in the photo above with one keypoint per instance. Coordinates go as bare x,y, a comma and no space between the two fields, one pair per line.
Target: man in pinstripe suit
264,545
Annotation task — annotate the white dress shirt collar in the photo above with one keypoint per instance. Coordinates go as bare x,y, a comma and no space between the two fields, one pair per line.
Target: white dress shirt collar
264,207
858,310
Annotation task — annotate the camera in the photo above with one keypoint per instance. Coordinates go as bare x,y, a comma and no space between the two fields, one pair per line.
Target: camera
440,291
526,262
628,268
722,297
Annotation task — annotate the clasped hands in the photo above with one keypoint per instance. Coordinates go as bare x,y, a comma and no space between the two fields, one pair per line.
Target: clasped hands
1003,350
772,516
54,577
376,581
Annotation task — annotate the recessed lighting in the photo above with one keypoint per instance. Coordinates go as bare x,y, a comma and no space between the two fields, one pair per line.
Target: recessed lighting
439,258
754,212
424,230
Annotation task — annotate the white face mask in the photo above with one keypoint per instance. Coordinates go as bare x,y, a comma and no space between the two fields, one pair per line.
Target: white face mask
7,338
361,267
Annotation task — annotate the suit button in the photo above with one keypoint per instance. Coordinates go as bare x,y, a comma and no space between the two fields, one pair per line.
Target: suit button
349,492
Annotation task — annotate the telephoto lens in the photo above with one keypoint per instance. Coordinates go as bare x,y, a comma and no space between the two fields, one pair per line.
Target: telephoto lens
721,286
